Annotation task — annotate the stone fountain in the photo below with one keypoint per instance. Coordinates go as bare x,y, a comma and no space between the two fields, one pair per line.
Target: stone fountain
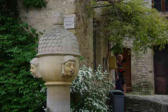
57,63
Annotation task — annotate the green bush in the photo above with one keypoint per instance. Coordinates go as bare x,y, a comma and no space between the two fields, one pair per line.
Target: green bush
19,91
89,91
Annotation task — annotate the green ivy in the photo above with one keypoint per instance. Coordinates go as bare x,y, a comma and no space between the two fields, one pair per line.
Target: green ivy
10,7
34,3
19,91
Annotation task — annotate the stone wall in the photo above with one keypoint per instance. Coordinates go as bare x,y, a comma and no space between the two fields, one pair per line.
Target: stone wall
45,18
42,19
142,72
100,43
146,103
101,51
84,30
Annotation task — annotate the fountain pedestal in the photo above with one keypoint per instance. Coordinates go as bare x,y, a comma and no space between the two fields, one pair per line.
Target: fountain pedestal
57,63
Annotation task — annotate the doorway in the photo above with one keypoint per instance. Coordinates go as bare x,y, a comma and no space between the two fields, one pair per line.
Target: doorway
161,70
127,68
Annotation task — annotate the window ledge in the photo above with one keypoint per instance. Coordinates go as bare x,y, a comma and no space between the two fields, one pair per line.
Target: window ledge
164,14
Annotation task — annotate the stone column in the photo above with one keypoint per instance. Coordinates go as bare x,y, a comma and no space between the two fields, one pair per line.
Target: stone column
58,98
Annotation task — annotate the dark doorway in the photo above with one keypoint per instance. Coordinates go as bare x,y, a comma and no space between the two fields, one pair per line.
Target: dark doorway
127,68
161,70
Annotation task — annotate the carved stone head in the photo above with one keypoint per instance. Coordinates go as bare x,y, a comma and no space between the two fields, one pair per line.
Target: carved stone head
58,57
69,66
34,68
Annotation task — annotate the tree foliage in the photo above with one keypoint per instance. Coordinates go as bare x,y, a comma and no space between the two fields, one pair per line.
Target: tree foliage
133,19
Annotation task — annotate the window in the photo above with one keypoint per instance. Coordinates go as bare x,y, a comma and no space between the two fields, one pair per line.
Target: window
160,5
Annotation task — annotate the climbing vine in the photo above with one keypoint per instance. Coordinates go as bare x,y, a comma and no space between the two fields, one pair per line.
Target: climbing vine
134,20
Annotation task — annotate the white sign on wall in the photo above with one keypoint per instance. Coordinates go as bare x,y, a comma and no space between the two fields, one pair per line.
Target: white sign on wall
69,21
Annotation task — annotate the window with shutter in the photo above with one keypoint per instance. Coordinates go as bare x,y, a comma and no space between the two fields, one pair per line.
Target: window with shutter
160,5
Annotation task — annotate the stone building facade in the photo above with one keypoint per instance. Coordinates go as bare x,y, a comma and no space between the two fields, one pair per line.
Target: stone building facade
148,71
93,48
45,18
142,76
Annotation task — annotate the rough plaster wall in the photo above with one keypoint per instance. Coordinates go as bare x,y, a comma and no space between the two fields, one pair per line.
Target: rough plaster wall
42,19
101,46
99,54
84,31
45,18
101,50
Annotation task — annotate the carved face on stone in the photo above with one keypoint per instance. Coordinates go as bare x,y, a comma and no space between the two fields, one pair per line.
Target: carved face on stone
34,68
69,67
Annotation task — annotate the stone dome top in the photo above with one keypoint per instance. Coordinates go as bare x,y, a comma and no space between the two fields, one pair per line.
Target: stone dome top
58,41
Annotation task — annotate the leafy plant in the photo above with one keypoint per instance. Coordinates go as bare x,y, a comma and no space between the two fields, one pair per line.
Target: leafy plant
89,90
